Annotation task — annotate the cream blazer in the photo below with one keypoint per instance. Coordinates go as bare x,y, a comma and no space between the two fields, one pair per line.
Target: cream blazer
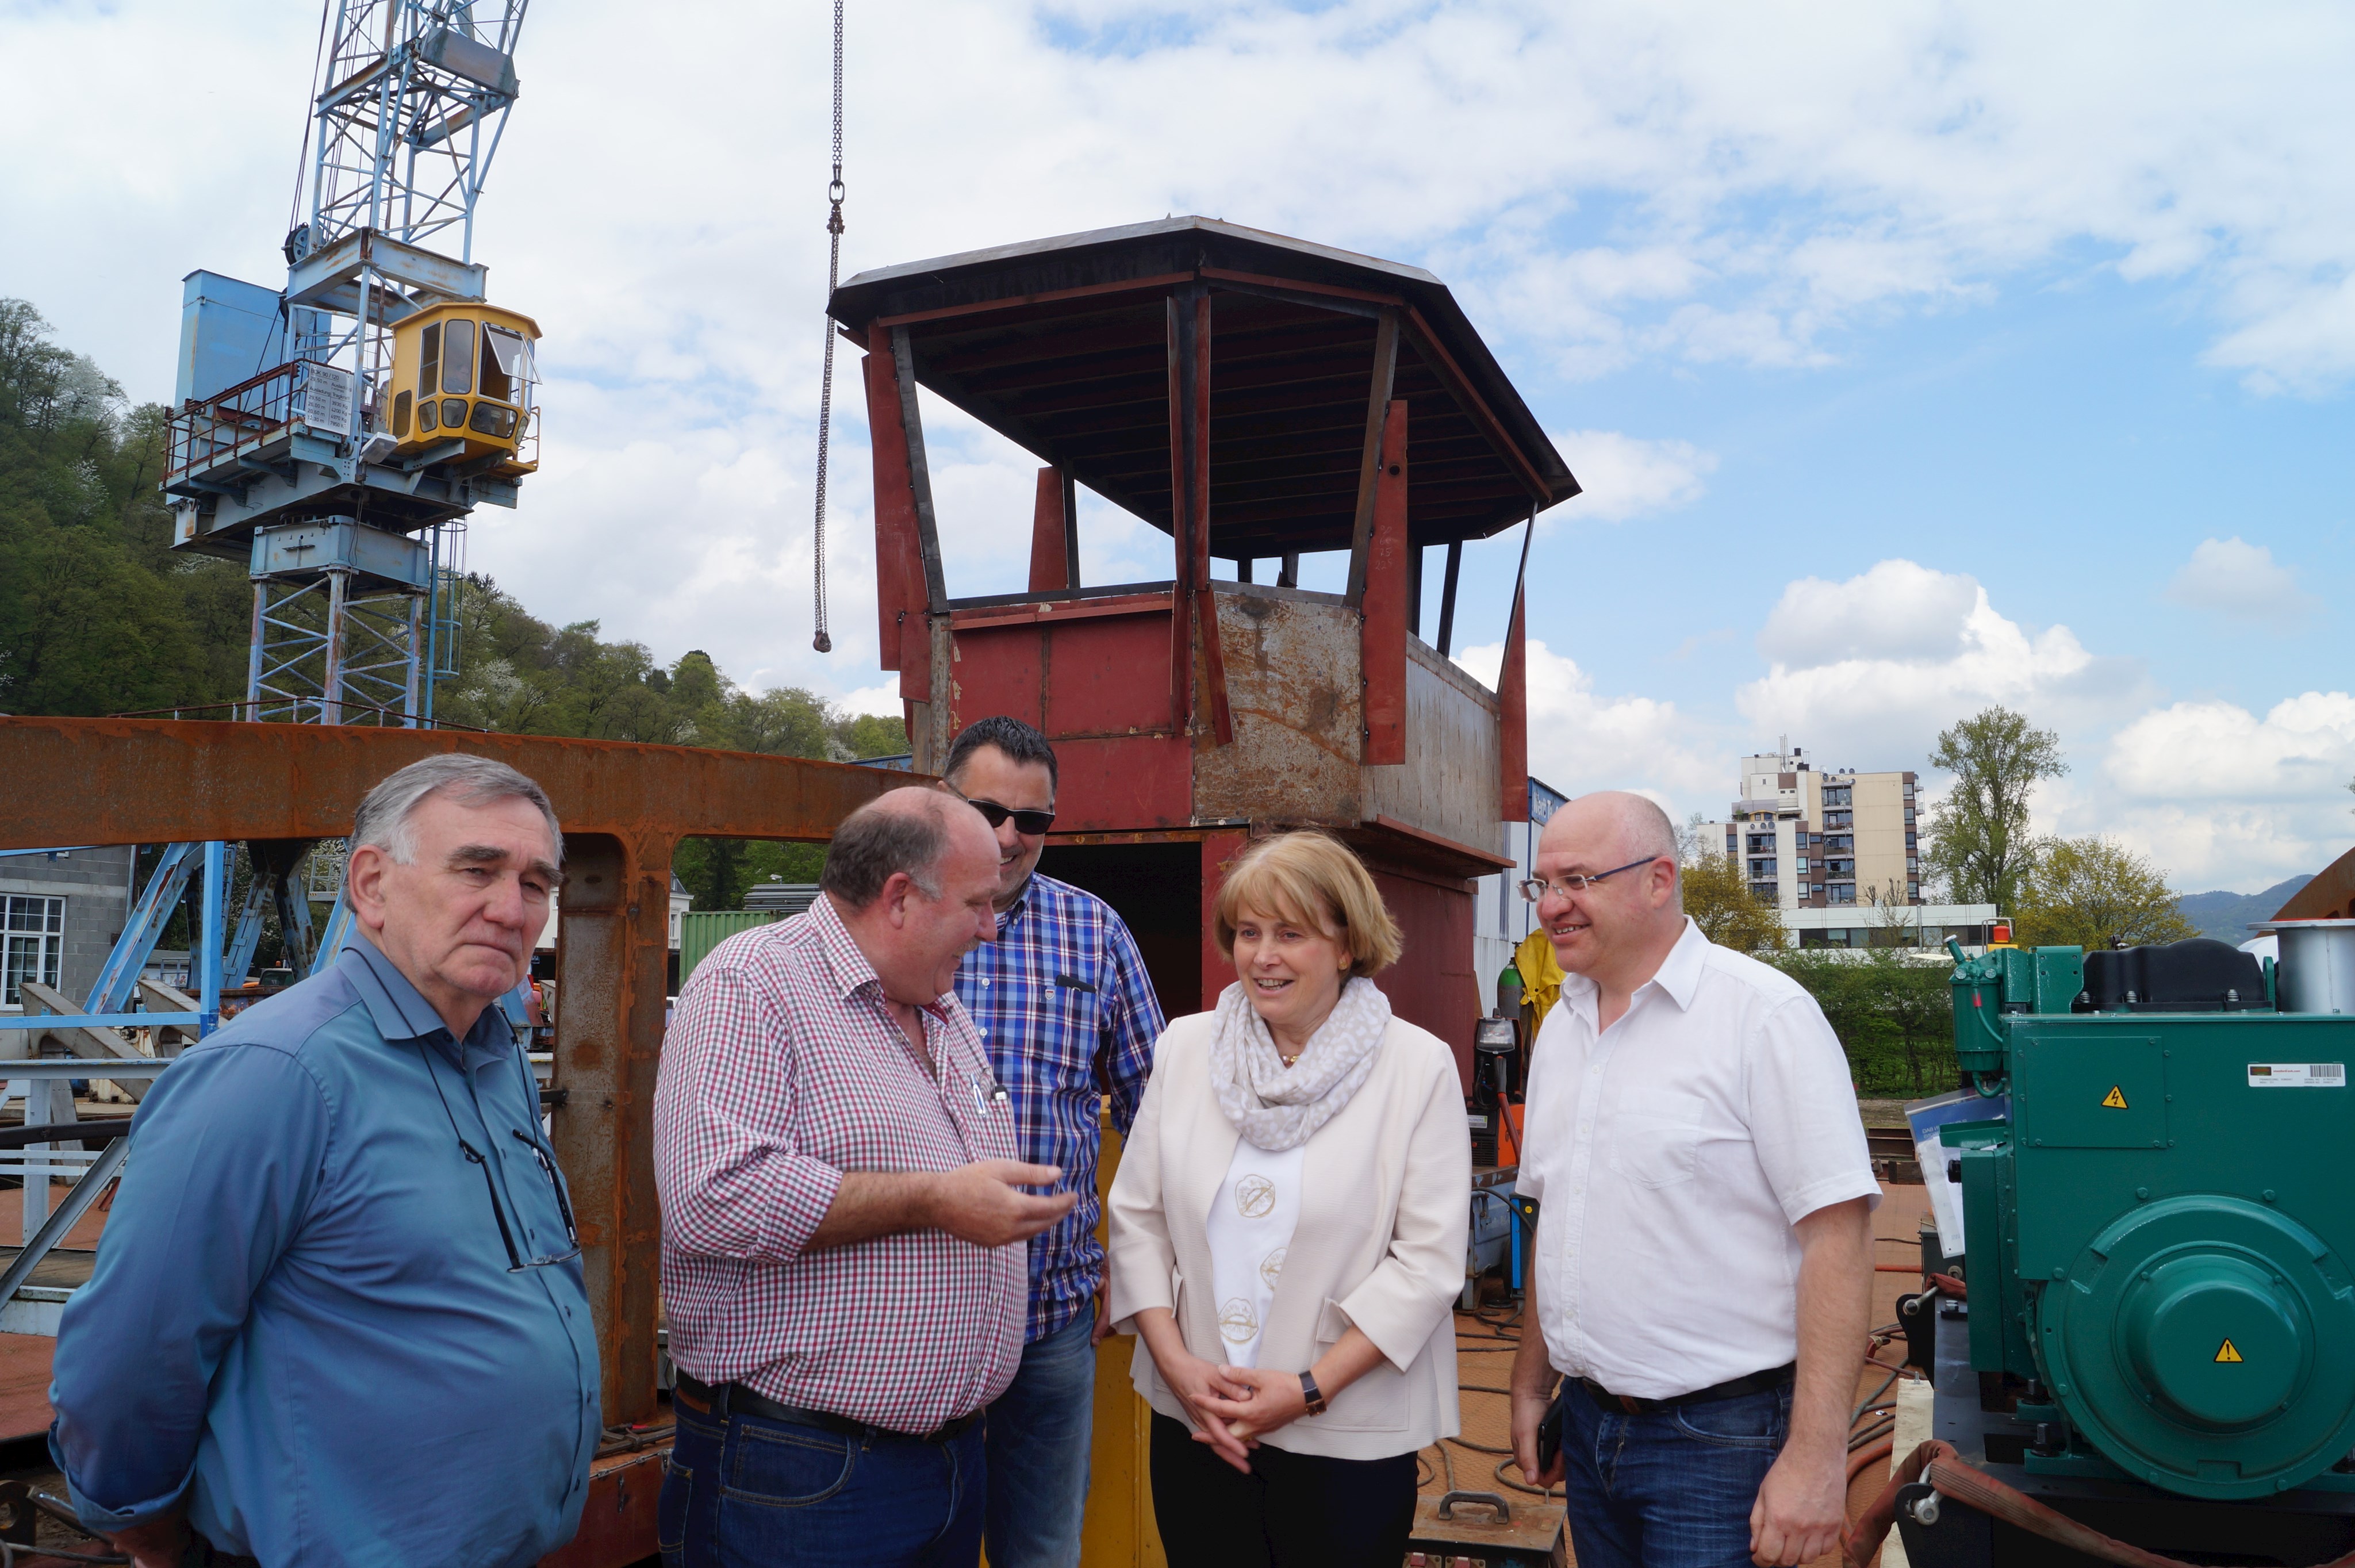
1385,1205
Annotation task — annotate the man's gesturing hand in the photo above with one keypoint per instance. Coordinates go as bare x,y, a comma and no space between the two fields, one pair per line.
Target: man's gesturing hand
983,1202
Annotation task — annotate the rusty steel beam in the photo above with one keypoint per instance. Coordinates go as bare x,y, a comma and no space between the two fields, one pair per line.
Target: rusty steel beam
1386,589
148,781
1054,560
1513,698
1378,402
623,808
895,520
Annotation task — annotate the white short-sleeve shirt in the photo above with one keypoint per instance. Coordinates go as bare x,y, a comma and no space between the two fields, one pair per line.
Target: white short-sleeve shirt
1670,1158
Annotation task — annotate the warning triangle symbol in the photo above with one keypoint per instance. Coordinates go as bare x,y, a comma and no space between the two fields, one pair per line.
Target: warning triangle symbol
2227,1353
2116,1099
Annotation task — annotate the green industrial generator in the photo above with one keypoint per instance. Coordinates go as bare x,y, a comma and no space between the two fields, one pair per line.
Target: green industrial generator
2158,1219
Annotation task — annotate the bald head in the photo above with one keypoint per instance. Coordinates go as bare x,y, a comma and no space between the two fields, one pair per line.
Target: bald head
912,874
1629,824
1618,928
905,832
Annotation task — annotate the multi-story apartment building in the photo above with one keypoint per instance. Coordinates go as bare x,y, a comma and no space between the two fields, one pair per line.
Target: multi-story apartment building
1812,839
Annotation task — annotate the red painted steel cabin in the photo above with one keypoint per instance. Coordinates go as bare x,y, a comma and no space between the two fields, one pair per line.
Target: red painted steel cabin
1256,398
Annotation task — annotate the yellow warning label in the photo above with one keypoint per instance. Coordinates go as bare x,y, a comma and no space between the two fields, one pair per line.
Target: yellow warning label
2227,1353
2116,1099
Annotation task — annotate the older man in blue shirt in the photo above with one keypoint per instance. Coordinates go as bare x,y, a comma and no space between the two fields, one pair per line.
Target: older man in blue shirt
338,1316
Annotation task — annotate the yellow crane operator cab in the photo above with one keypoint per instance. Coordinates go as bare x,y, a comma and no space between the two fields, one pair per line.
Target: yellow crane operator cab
463,371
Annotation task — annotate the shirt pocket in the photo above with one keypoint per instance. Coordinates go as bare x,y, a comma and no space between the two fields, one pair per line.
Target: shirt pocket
1656,1147
1076,1007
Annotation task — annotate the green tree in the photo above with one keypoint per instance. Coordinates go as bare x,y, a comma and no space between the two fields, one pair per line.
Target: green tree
1978,841
96,616
1721,902
2090,892
1895,1018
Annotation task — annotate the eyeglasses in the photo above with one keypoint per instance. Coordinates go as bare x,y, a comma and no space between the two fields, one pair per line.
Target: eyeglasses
1030,822
1535,888
516,1261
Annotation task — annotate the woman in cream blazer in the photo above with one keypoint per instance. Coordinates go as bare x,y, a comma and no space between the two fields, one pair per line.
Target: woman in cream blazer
1288,1230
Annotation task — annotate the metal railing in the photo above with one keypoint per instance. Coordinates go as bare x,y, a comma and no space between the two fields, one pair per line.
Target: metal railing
242,419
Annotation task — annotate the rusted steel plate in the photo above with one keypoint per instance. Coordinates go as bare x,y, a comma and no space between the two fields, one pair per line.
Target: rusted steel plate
1292,684
2330,896
1449,785
618,1522
147,780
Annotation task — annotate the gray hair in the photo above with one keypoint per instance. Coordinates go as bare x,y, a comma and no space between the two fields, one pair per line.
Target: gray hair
385,818
876,842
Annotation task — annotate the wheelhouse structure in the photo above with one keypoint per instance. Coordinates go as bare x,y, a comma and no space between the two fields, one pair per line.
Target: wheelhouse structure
1257,397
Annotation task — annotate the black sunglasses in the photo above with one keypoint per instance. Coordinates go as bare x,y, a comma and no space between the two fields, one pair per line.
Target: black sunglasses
1031,822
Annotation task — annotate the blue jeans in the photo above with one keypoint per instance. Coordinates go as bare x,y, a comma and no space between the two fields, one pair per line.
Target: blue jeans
1039,1430
1670,1490
748,1490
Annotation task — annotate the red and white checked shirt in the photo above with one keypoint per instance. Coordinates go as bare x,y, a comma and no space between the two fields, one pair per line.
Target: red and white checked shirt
782,1070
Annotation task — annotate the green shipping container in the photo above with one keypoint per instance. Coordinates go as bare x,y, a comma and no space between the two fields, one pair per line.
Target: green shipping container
700,931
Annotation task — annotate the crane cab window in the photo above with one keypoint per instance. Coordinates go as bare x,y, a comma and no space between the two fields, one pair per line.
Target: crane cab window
399,416
504,364
429,354
457,359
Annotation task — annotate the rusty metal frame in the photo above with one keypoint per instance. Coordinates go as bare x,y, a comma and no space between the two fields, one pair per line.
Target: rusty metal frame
624,808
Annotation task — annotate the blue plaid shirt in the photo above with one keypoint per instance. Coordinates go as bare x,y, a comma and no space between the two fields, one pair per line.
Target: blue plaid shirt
1063,1002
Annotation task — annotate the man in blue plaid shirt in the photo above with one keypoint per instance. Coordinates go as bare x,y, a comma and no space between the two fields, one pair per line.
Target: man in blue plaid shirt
1065,1005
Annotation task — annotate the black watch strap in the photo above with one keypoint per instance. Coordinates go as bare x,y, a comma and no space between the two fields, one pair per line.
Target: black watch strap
1309,1392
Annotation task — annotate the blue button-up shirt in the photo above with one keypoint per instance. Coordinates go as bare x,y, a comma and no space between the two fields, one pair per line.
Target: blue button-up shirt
1064,1004
304,1327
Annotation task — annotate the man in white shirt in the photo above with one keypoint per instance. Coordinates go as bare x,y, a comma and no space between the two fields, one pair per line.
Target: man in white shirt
1702,1264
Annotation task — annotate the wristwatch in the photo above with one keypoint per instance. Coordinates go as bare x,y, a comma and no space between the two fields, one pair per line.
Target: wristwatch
1308,1391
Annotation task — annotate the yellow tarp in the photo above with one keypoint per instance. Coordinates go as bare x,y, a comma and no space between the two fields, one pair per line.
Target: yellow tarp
1542,978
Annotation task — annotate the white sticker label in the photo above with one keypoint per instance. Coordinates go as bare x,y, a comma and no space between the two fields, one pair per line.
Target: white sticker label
2298,1076
327,399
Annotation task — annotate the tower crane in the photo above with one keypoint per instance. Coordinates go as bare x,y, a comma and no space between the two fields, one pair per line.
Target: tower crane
334,433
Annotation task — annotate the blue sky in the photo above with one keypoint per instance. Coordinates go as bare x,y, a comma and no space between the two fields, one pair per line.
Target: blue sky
1915,358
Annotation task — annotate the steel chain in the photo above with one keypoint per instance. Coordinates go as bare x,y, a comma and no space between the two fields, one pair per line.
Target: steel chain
835,192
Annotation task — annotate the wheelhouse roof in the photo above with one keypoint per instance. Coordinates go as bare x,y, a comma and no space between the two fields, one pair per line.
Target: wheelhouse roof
1062,345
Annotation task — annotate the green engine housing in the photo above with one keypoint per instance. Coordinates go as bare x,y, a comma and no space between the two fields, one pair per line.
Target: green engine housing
2160,1231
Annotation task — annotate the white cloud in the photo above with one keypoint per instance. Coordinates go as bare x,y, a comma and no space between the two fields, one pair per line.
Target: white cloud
1625,475
2303,748
882,701
1899,609
1871,668
1581,740
2236,577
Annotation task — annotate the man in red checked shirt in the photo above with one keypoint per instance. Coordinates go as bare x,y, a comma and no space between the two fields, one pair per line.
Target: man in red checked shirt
843,1214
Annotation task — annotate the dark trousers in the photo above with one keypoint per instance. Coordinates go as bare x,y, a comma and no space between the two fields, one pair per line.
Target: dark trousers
751,1490
1293,1511
1672,1489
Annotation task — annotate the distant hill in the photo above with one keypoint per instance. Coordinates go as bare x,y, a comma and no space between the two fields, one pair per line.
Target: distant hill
2228,916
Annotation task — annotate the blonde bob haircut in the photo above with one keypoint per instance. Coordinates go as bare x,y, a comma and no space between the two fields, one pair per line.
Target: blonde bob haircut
1312,880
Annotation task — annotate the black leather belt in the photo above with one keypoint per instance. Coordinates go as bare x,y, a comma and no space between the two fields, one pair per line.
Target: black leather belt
735,1399
1732,1388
